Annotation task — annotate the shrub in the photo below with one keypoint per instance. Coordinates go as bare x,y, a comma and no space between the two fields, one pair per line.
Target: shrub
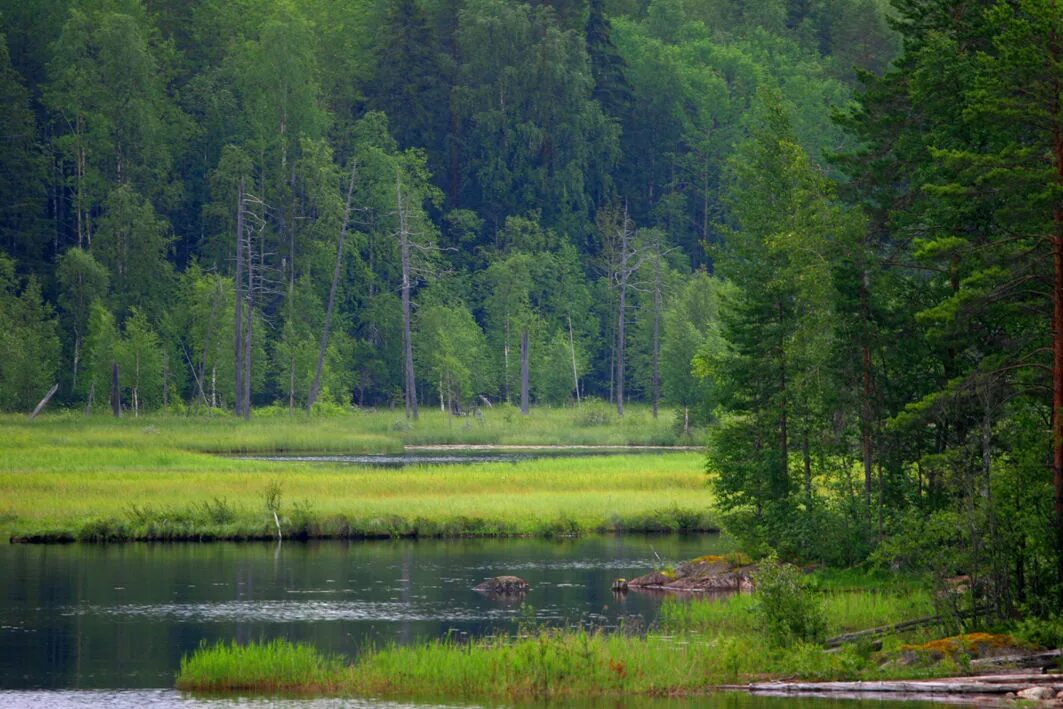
785,607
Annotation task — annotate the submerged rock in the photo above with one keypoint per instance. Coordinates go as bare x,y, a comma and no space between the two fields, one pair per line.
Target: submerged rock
712,574
504,585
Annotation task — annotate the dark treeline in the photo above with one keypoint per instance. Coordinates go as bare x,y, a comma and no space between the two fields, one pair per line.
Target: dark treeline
830,228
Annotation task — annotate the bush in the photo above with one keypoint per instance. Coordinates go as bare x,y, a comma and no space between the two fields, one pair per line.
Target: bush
785,607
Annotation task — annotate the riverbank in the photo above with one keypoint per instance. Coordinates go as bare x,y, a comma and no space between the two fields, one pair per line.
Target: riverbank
725,648
66,478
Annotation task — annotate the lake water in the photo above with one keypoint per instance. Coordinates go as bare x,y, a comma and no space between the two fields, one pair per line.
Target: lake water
465,455
84,625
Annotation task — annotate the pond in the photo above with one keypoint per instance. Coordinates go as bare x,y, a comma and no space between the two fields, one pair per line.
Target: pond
84,625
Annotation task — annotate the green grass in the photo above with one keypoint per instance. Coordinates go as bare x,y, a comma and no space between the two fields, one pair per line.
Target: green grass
846,611
66,477
553,664
277,666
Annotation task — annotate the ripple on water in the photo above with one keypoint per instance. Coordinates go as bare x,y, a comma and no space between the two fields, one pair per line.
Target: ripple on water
137,698
296,611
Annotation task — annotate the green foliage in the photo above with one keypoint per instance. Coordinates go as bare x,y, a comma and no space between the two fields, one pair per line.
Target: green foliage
28,339
785,607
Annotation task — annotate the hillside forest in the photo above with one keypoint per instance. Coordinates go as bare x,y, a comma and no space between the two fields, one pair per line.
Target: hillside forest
826,234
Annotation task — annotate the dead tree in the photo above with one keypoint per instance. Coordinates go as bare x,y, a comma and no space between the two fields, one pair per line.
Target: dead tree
248,282
623,260
116,392
315,387
405,248
524,370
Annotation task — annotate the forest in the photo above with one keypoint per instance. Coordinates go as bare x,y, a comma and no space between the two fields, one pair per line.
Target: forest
828,234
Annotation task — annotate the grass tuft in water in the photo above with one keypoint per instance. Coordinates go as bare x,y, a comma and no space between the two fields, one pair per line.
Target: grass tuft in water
275,666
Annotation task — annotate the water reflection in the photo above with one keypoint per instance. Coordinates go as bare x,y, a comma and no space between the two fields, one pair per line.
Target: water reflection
122,616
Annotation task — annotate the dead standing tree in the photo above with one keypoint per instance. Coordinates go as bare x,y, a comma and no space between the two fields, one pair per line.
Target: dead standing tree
249,281
326,329
415,255
623,260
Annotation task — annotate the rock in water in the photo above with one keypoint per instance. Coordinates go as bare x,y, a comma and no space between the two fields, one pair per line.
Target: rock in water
504,585
1037,693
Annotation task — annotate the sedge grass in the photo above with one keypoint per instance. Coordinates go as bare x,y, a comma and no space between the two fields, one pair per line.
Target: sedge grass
556,665
105,480
275,666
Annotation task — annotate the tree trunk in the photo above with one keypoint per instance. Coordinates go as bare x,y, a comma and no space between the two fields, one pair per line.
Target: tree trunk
116,392
806,456
239,316
326,329
524,371
44,402
77,359
409,376
1057,327
620,323
246,406
865,405
658,306
575,373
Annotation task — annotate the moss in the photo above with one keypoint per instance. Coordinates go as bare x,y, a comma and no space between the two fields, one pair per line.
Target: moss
972,644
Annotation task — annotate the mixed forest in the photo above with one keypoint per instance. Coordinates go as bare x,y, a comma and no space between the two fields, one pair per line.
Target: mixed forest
827,232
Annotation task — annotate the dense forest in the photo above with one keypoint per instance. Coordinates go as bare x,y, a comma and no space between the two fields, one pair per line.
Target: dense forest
830,230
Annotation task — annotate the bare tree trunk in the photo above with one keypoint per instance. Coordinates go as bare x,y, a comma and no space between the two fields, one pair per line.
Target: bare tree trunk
239,283
620,323
326,328
409,376
806,456
575,373
44,402
658,306
524,371
77,359
865,407
246,406
116,392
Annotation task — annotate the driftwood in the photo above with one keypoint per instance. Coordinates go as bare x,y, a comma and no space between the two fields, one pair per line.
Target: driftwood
1042,660
958,685
44,401
872,633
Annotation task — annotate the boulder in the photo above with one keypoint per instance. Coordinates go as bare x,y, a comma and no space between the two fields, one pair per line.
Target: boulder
1037,693
710,574
504,585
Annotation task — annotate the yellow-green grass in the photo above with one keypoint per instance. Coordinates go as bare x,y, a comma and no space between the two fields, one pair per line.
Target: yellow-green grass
352,431
148,492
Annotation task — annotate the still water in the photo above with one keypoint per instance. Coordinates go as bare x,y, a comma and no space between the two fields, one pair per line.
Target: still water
120,617
84,625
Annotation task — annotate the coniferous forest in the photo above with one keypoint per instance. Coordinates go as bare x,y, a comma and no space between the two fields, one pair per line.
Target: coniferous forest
826,233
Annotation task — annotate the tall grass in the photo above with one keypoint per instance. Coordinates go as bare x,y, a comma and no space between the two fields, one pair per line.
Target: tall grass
275,666
555,665
846,611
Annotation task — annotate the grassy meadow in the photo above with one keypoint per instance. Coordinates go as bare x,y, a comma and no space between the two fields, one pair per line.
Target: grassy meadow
69,477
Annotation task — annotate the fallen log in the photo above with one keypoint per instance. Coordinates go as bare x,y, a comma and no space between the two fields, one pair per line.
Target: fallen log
1042,660
912,624
964,685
